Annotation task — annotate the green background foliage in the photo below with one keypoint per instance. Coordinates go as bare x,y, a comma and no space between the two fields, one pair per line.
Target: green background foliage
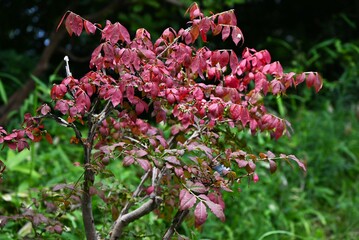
321,36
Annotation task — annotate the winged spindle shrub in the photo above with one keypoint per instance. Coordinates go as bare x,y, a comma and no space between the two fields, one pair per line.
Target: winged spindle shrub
137,88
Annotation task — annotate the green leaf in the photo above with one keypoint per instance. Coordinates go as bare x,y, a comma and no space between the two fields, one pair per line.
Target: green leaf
3,94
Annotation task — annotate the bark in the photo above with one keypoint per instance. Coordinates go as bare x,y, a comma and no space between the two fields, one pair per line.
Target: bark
176,222
124,220
86,201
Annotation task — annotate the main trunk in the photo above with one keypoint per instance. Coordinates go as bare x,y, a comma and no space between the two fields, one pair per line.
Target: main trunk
86,202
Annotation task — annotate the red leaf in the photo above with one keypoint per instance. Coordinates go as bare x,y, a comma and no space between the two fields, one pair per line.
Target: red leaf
147,53
200,214
224,59
244,116
198,187
217,198
228,18
68,23
74,24
125,36
237,35
89,89
272,166
194,11
83,102
216,209
299,78
173,160
250,167
116,97
62,106
231,81
140,107
279,129
187,200
233,61
215,110
215,58
277,87
45,109
241,163
179,172
187,37
300,163
217,30
225,32
140,153
162,140
89,27
235,111
194,32
198,94
145,164
111,32
318,82
128,160
313,79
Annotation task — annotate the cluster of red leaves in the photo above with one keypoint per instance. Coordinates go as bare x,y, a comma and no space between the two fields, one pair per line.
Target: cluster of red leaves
37,219
17,139
194,90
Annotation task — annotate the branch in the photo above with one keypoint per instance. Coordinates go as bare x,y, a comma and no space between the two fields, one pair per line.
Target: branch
135,194
125,218
176,222
143,210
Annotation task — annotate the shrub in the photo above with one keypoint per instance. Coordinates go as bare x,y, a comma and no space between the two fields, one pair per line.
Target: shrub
173,109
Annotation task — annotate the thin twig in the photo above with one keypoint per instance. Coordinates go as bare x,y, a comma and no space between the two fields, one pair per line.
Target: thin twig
176,222
135,194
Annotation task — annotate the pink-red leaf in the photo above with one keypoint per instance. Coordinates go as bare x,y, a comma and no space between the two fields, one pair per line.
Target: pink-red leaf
272,166
216,209
141,153
187,200
200,214
225,32
241,163
313,79
128,160
145,164
89,27
198,187
237,35
224,59
116,97
194,11
173,160
233,61
125,36
45,109
300,163
74,24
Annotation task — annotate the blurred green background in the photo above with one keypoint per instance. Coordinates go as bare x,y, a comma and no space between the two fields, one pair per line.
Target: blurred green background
304,35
